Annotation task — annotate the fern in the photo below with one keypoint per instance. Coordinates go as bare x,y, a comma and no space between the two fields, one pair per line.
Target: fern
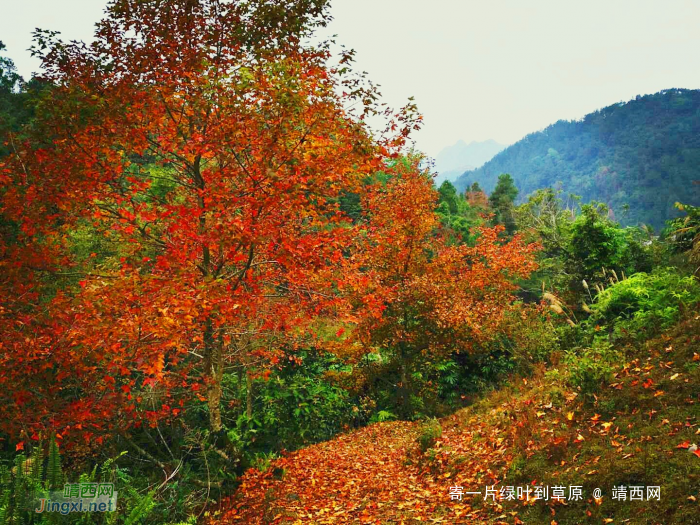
54,473
25,478
142,509
37,464
5,494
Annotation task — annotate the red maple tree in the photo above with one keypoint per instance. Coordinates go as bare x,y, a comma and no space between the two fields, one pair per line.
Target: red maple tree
205,150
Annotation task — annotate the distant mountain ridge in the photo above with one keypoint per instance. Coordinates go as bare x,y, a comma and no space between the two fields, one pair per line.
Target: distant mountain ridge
454,160
644,154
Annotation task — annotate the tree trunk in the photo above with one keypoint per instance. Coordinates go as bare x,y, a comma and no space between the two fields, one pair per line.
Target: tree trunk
249,387
214,371
249,395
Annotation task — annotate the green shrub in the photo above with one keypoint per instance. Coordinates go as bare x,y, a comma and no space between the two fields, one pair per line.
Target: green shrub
645,303
382,415
291,412
430,432
534,337
592,368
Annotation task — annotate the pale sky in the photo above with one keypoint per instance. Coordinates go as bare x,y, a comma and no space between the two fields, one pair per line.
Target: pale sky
478,69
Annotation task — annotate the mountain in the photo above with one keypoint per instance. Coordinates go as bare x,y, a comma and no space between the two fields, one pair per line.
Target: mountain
644,154
454,160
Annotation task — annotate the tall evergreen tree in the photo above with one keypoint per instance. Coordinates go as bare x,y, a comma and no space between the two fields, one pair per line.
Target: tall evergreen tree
448,195
502,200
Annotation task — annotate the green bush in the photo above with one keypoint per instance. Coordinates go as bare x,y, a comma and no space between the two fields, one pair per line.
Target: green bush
592,368
430,432
534,337
291,412
645,303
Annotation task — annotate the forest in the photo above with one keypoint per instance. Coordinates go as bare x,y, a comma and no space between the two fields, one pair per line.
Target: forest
226,298
639,157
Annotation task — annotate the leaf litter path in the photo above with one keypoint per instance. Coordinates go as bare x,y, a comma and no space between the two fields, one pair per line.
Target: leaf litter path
374,475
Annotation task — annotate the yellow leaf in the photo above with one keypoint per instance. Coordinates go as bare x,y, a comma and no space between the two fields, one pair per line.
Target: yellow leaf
570,416
674,376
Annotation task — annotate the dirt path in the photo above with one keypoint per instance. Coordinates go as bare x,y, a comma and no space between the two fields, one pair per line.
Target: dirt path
373,475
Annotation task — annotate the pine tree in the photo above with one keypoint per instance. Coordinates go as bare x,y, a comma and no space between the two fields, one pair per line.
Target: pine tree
502,201
448,195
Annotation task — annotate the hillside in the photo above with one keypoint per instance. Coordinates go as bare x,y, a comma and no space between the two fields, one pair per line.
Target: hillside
644,153
537,431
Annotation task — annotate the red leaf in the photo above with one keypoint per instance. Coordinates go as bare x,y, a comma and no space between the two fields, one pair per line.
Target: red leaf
20,446
684,445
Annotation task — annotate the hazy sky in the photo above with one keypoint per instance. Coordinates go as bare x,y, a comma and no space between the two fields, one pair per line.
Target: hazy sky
479,69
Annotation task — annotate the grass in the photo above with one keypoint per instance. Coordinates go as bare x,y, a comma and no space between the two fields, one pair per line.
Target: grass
627,436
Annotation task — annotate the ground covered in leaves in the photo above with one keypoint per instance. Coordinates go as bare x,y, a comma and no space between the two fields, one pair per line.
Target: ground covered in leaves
639,430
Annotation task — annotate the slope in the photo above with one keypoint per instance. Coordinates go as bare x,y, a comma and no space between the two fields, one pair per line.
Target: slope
644,153
537,431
